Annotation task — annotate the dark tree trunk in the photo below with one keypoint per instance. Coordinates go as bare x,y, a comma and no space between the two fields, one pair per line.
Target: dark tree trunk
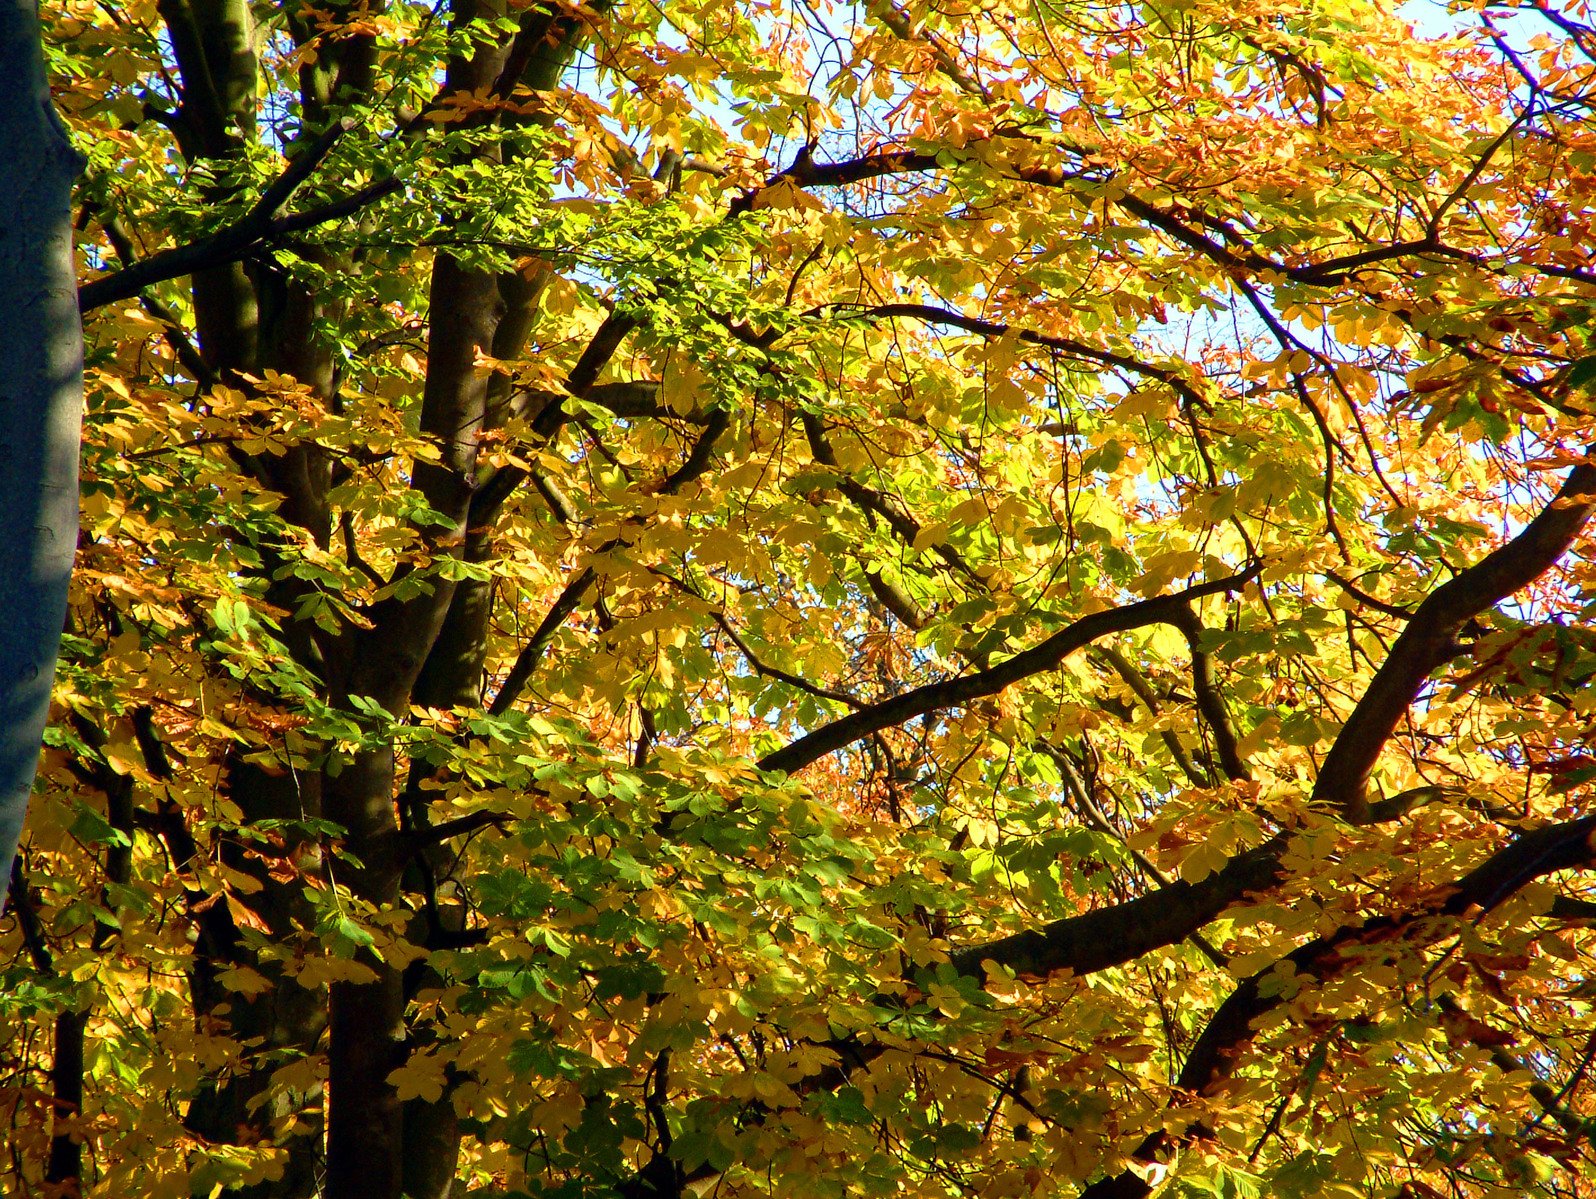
65,1166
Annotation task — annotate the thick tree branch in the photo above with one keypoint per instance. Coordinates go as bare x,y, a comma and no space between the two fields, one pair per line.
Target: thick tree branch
543,37
1092,942
630,399
434,834
493,491
20,905
895,599
1122,933
1566,907
1429,639
700,457
600,349
1095,816
805,172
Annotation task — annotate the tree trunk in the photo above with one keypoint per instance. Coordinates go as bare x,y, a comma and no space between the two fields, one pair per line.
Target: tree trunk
41,399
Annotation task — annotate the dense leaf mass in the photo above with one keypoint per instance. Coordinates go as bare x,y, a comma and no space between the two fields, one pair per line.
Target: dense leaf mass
821,599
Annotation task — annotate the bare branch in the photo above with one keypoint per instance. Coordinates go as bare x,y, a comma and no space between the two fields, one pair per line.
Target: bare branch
880,503
1137,682
1364,598
775,672
931,314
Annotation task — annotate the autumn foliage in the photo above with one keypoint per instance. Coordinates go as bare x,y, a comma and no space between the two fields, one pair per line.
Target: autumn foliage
808,599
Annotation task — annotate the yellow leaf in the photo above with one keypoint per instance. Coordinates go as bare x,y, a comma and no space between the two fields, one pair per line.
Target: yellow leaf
422,1077
316,972
243,980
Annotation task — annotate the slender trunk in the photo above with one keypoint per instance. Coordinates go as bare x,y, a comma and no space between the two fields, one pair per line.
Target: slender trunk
65,1167
285,1020
41,399
471,312
365,1120
452,676
246,323
366,1033
366,1042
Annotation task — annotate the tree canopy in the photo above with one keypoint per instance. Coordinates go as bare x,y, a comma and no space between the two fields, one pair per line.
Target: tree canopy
820,599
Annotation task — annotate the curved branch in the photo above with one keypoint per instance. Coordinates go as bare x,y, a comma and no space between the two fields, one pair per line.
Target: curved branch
764,668
1095,816
957,692
804,172
494,490
701,456
1116,935
1122,933
696,463
878,503
934,315
526,662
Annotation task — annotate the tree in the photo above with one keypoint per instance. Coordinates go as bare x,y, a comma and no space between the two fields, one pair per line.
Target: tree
41,395
810,599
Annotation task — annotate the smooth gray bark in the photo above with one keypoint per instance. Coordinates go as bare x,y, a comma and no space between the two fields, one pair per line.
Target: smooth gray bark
41,400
